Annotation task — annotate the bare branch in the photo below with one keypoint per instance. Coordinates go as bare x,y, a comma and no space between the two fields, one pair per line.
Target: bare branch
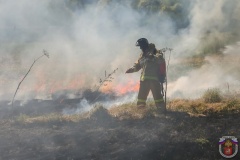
104,82
45,53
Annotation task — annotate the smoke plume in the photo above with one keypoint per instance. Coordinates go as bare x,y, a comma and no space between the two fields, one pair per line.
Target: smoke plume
86,39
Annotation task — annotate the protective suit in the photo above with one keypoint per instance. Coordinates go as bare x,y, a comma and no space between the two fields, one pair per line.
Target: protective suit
149,61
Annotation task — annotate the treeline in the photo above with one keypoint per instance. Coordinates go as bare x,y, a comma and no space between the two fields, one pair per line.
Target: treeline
177,10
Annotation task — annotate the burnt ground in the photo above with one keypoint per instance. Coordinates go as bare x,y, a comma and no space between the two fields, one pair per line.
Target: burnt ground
101,136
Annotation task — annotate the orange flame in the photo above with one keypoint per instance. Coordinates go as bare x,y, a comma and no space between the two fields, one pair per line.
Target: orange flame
121,89
74,84
50,86
131,86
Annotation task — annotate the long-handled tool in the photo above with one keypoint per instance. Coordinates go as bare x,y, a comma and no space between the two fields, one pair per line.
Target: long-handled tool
164,91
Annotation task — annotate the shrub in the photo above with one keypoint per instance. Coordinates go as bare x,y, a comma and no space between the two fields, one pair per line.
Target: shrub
212,96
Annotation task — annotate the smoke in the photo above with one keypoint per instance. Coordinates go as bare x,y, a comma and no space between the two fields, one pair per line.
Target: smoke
219,72
85,106
85,41
217,20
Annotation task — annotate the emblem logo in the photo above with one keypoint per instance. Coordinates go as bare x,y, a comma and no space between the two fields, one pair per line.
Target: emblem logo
228,146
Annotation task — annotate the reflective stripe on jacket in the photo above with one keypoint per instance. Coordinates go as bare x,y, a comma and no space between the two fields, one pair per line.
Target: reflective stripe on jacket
149,63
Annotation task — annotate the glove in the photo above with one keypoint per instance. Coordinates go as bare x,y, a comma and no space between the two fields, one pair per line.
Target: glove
161,79
151,55
130,70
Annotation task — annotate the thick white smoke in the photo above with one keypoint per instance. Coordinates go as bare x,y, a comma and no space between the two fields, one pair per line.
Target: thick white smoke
85,42
220,72
219,18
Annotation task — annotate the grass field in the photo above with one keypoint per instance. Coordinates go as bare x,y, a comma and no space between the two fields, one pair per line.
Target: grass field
190,130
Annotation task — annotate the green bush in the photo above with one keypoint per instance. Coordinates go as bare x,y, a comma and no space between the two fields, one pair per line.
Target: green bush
212,96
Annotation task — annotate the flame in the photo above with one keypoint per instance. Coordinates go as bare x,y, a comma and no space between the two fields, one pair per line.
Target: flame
107,88
131,86
75,83
121,89
50,86
42,85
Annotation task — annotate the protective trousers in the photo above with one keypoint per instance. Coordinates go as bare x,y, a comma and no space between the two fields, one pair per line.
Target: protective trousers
155,87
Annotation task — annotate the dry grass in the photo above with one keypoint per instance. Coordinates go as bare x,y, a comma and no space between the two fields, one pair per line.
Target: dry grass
199,106
196,107
96,113
212,95
131,111
125,111
50,118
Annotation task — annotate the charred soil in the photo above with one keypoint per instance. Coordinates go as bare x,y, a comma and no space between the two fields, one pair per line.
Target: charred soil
101,134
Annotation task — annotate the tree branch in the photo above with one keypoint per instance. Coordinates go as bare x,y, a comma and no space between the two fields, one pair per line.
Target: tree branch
44,54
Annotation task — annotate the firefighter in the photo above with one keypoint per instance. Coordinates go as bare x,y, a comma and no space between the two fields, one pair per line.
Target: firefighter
149,61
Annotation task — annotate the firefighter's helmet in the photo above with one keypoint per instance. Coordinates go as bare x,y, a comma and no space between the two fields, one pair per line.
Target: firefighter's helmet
142,42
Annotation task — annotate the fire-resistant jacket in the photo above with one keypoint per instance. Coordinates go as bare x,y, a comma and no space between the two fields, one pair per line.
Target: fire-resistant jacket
149,62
